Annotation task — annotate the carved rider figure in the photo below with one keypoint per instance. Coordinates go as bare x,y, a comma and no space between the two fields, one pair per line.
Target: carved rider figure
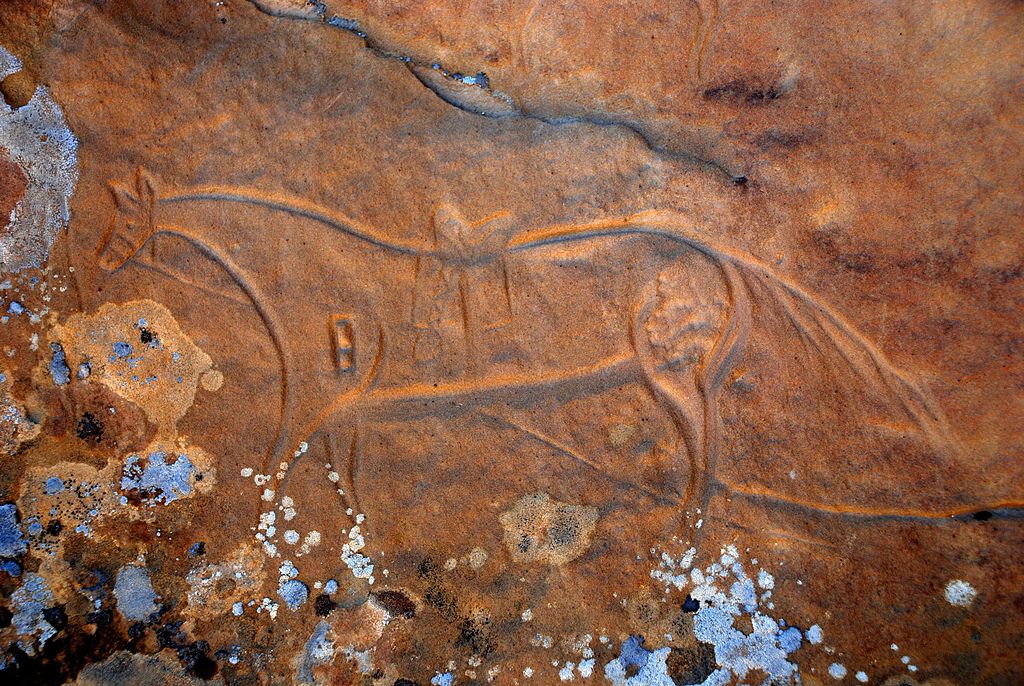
461,289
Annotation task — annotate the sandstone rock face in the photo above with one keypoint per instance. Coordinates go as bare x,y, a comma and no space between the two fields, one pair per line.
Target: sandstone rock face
633,343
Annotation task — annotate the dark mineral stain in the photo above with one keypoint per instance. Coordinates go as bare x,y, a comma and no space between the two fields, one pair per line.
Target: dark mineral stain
5,617
194,656
742,91
323,605
56,617
780,138
54,527
396,603
902,680
101,617
983,515
89,428
65,654
841,250
402,681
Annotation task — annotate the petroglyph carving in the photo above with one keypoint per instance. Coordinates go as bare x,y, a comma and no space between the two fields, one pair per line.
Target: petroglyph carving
462,284
681,338
343,329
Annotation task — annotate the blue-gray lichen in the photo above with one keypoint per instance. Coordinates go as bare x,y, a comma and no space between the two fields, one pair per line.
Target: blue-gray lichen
133,590
12,538
158,481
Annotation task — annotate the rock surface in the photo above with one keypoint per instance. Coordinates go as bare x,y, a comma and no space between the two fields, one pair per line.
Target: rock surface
442,343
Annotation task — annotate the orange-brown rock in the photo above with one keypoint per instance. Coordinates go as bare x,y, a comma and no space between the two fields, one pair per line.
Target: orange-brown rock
630,343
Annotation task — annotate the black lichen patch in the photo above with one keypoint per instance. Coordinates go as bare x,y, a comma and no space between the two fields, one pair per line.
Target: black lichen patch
691,604
89,428
56,617
193,655
475,633
101,618
443,601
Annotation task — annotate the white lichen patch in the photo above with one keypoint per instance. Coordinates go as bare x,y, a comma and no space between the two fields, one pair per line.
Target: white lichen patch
959,593
217,588
732,614
360,565
37,139
29,602
162,473
133,591
318,650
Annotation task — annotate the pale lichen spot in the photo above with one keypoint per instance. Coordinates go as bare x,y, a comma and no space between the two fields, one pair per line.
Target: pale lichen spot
138,350
541,529
211,380
959,593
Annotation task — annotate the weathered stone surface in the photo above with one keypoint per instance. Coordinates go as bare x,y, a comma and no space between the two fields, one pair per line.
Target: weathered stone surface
524,342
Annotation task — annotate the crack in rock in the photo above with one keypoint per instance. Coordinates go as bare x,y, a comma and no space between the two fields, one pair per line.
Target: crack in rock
474,93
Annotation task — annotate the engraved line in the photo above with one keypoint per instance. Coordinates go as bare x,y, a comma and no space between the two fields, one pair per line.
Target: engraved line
572,454
725,358
355,452
402,402
269,321
934,425
865,513
692,438
161,268
781,534
411,401
294,206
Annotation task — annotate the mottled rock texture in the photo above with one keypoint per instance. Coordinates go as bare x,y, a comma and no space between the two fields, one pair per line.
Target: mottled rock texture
633,343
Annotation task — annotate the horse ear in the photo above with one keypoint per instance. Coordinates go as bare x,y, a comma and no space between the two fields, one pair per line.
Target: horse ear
133,222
